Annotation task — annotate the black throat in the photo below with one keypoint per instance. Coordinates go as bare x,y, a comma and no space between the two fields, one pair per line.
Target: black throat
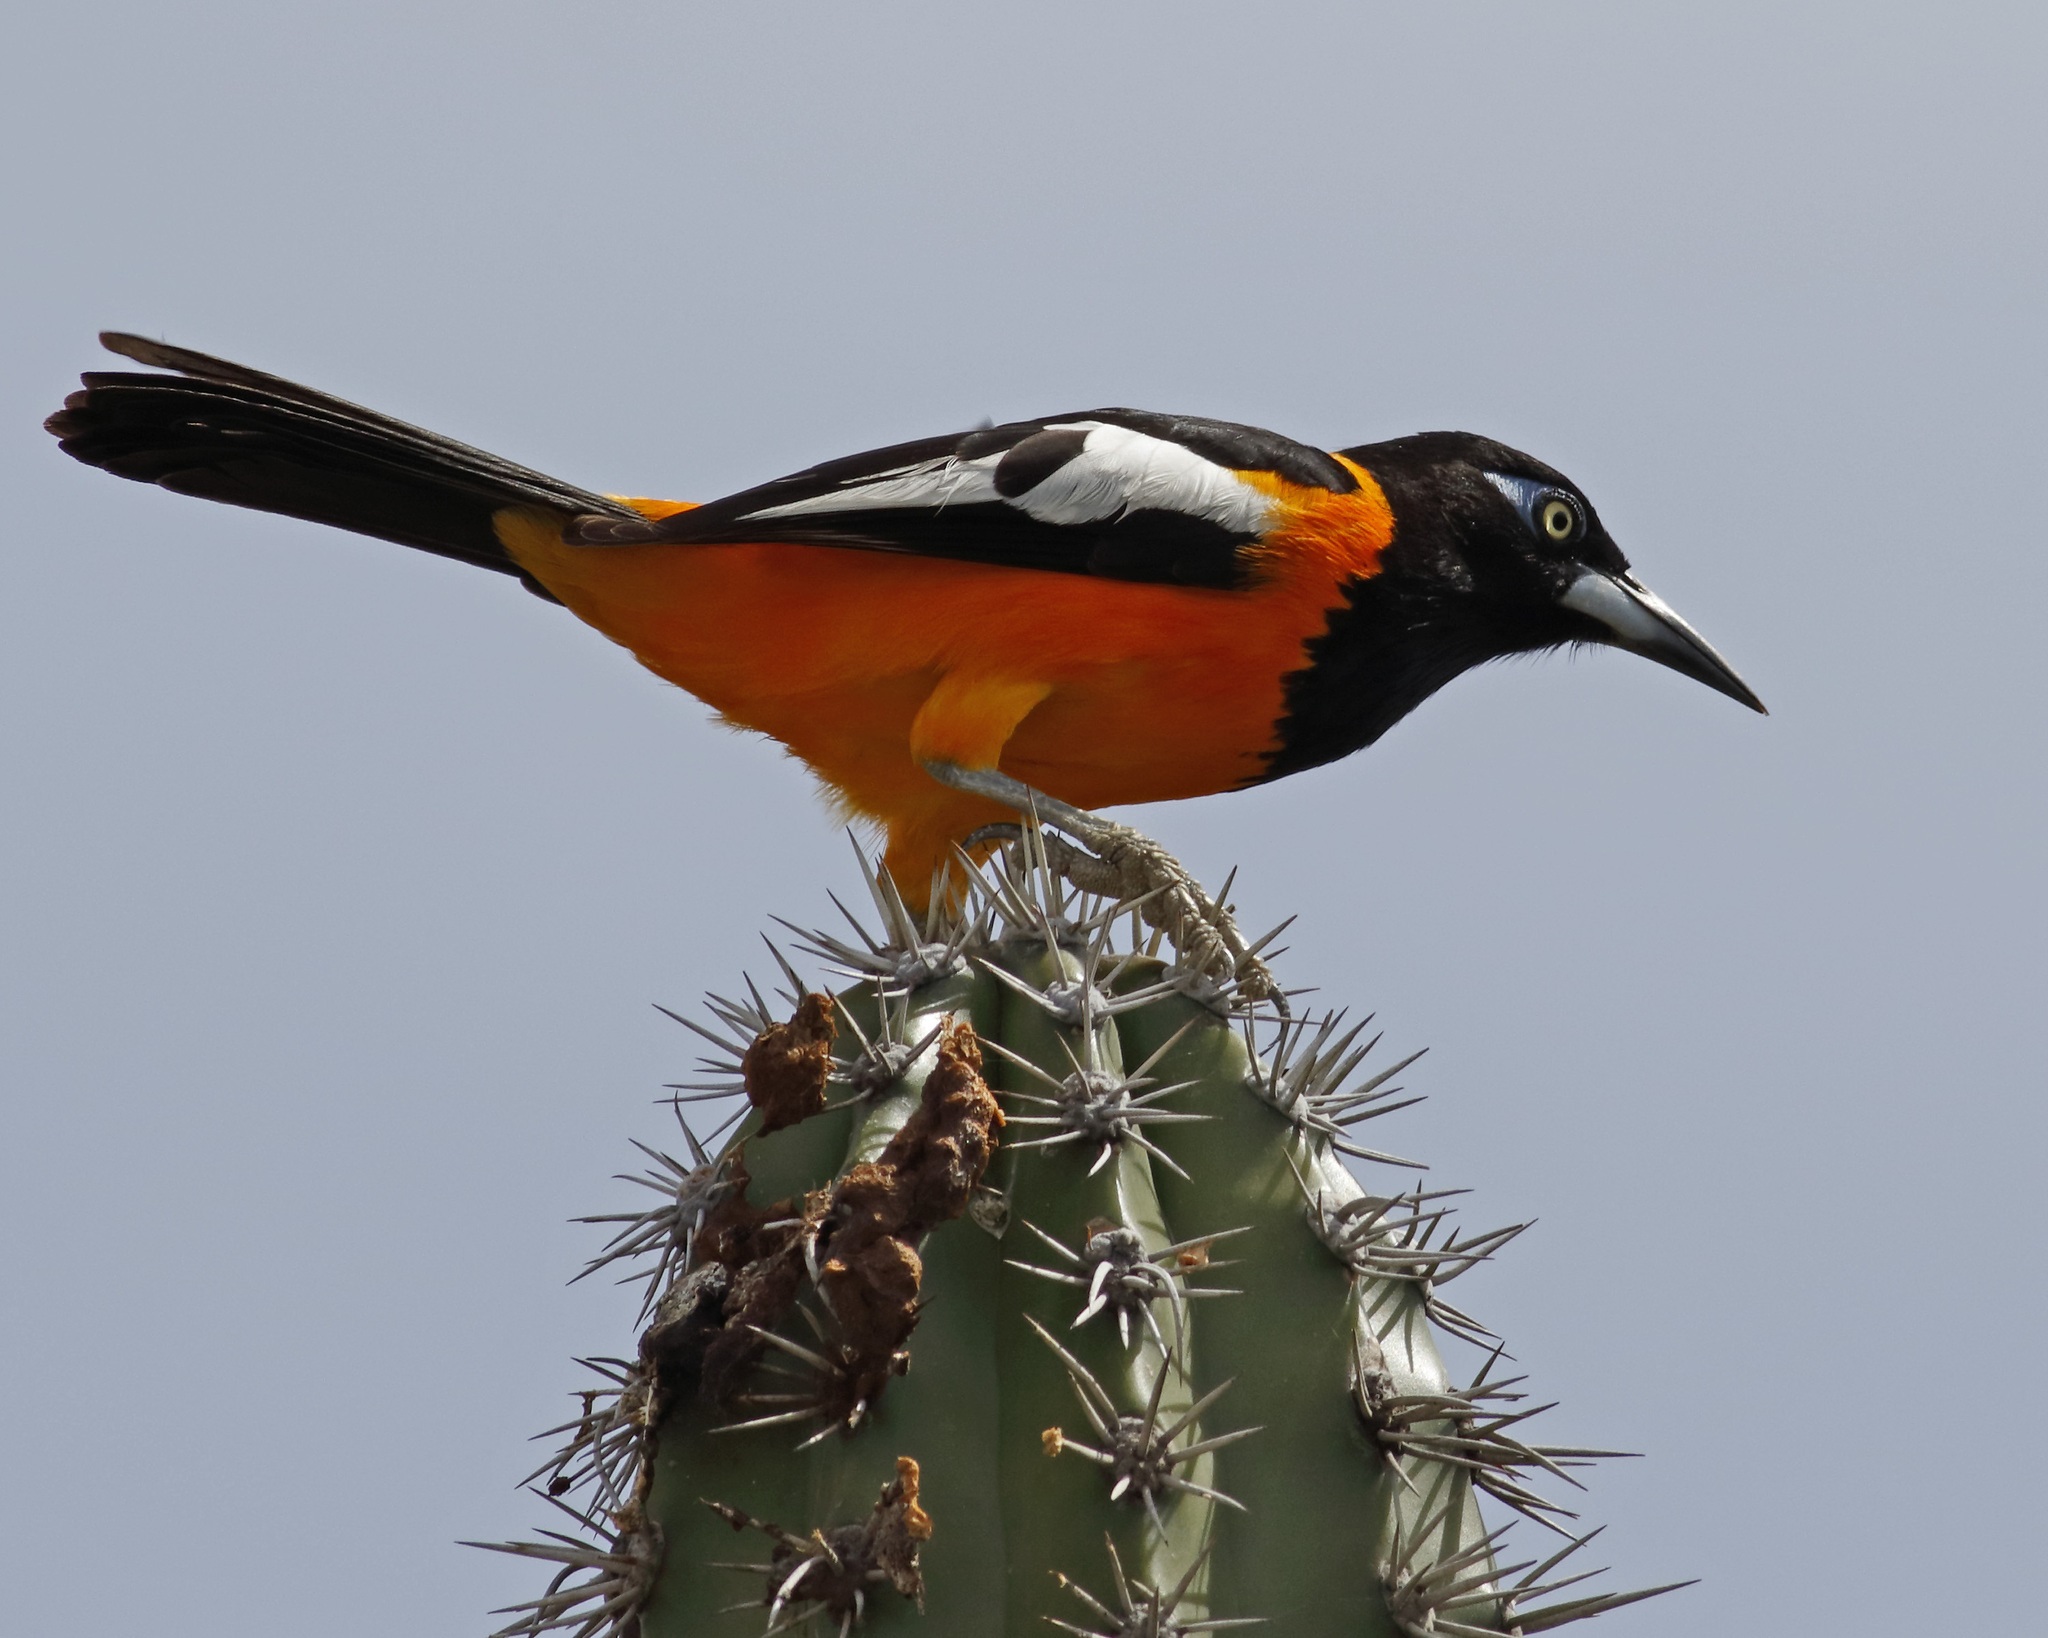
1448,596
1386,650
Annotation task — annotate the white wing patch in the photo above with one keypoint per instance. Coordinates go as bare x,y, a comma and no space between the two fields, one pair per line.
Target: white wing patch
1117,471
947,481
1121,471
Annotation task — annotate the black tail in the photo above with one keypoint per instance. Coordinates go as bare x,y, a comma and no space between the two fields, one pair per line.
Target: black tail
231,434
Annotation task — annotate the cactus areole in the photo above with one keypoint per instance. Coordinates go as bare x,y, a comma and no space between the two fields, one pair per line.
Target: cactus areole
1033,1291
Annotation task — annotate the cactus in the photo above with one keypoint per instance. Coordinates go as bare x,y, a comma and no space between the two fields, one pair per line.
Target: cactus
1034,1286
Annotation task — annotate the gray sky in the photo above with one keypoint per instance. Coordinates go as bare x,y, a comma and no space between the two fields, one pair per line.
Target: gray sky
339,879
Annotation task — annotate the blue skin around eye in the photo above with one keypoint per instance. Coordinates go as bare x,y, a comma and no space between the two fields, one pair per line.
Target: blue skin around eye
1525,494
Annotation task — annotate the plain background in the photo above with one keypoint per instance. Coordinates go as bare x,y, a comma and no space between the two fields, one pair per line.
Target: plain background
338,879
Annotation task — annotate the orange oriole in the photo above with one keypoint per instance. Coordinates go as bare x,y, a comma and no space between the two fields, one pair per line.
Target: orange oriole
1111,606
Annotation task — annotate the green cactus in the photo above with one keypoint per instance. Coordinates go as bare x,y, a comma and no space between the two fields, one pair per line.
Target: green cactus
1034,1286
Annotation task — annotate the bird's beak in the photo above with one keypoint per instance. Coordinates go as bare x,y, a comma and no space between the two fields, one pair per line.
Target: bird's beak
1640,621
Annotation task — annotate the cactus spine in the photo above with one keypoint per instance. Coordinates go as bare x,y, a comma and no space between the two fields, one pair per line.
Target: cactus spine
1033,1286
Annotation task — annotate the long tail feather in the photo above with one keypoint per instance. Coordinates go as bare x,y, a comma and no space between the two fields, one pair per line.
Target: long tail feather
232,434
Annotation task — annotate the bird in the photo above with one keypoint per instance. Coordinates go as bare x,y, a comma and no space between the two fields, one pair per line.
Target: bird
1051,616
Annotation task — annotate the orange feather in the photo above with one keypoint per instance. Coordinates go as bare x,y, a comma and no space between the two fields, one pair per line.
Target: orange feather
1094,690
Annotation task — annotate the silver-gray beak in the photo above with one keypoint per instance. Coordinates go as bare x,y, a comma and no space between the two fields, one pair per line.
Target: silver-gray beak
1640,621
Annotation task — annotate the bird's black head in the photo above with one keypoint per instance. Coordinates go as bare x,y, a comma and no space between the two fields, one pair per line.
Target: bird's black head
1493,554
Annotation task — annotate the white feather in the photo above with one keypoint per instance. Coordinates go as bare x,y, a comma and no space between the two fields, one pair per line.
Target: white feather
946,481
1120,471
1117,471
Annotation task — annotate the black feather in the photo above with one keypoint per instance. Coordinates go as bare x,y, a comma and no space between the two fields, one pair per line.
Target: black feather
227,433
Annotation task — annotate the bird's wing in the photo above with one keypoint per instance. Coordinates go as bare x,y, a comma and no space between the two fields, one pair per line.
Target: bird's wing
1122,493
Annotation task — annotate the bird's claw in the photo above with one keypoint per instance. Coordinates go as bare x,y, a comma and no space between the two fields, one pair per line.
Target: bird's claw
1128,865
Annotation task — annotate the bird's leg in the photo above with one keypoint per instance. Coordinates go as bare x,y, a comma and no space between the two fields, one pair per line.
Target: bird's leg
1127,864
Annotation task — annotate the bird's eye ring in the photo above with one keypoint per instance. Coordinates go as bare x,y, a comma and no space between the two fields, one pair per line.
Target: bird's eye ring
1557,518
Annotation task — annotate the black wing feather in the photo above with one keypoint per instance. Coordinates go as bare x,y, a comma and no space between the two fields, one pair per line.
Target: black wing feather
1144,544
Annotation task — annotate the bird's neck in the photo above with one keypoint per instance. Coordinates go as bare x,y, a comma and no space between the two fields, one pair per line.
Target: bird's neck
1393,642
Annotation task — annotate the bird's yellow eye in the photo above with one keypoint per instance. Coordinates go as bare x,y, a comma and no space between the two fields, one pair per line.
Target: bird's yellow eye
1558,518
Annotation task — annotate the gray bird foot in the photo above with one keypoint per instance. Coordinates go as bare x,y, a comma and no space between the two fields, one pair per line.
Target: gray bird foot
1127,864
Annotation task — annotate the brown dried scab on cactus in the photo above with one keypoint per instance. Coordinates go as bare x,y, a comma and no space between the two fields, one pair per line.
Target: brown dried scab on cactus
869,1269
787,1066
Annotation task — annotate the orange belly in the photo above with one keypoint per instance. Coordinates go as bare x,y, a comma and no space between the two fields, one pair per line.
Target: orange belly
1143,692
